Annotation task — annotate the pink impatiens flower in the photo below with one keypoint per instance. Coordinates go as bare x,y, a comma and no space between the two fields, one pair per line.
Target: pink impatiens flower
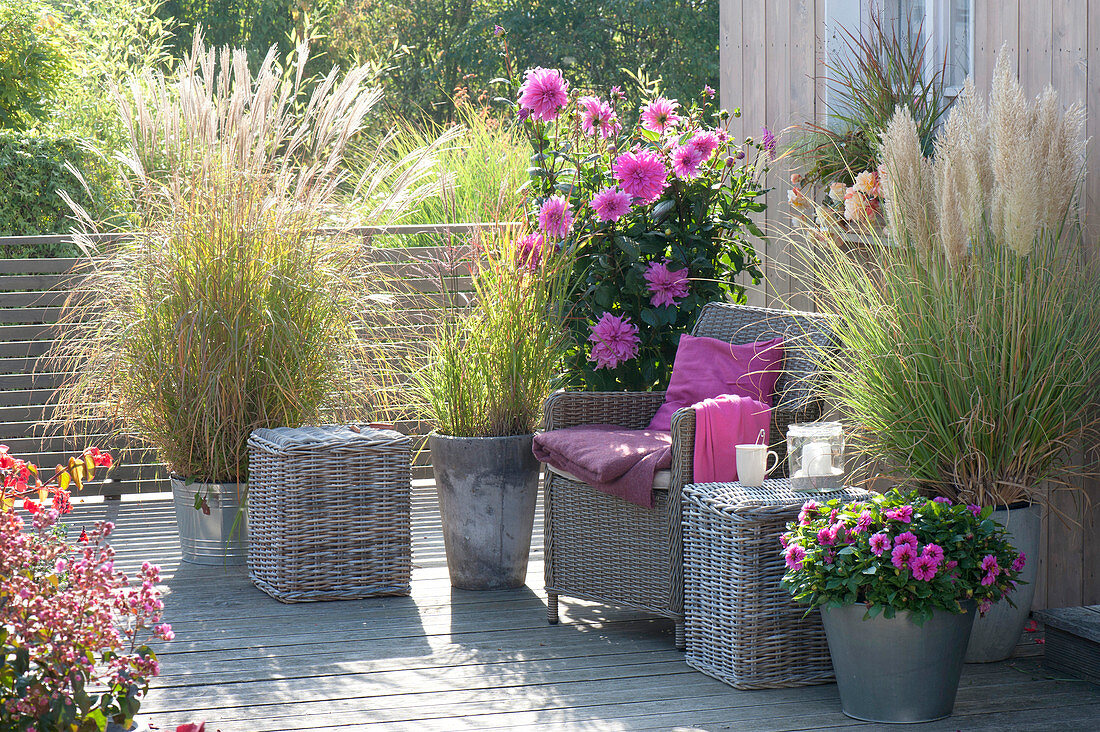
544,92
923,567
666,286
660,115
641,174
794,557
610,204
880,543
597,117
555,218
615,341
686,160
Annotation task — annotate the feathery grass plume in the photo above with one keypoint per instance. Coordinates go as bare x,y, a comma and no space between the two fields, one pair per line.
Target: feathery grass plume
227,310
909,183
963,176
1016,168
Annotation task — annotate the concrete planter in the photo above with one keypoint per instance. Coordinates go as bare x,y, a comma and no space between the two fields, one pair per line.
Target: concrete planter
893,670
220,538
487,488
997,632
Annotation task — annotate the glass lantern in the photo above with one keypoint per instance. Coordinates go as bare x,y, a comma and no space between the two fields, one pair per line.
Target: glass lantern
815,454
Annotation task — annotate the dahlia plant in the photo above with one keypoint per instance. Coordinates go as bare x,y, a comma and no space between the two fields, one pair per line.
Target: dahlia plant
657,213
72,627
897,552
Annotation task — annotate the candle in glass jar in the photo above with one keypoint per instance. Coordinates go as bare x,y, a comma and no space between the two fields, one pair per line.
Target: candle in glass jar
817,459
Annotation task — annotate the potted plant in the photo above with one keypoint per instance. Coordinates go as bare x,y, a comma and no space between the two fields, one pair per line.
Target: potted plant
90,667
226,309
489,369
899,579
970,343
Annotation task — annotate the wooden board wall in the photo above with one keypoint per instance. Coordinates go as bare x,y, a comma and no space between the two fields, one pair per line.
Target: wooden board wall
770,53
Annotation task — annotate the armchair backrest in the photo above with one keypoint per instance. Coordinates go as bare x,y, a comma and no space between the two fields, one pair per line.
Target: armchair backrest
804,334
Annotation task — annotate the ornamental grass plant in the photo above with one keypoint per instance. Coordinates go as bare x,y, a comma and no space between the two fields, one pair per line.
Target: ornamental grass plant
227,309
970,337
491,365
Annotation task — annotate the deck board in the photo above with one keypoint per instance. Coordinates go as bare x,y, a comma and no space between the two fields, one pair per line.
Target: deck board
445,659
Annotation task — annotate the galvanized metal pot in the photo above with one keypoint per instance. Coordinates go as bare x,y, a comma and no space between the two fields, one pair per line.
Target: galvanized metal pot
997,632
895,670
487,489
220,538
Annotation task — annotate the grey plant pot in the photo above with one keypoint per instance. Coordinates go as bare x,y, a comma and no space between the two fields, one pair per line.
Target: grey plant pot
997,632
895,670
487,489
220,538
138,725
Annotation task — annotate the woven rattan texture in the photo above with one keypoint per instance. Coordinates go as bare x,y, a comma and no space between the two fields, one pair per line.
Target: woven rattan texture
329,513
742,626
602,548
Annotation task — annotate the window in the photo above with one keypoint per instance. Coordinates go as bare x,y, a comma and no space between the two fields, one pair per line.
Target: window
949,27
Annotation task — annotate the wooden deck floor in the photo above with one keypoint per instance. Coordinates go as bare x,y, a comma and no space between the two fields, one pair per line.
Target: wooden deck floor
445,659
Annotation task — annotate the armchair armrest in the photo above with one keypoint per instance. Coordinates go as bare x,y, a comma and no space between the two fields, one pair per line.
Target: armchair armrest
629,409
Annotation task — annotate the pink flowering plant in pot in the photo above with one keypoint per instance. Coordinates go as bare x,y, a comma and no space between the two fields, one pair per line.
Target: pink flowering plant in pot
657,212
899,552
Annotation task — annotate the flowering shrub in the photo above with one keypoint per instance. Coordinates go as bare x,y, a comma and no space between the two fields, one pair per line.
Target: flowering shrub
843,207
657,214
899,552
72,655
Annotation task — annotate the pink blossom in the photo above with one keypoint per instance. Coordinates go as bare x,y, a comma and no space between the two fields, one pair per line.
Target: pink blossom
615,341
909,538
660,115
543,94
901,513
975,510
555,218
880,543
686,160
708,91
933,552
902,555
610,204
641,174
666,286
809,510
794,557
984,605
864,522
1019,562
597,117
923,567
784,539
706,142
943,500
529,252
826,536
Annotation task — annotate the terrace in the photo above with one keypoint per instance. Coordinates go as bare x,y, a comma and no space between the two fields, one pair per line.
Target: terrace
445,659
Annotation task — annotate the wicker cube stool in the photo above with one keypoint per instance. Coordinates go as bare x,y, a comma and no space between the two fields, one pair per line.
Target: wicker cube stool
742,626
328,513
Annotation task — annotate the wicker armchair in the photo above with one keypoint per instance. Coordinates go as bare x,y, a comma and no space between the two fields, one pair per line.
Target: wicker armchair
599,547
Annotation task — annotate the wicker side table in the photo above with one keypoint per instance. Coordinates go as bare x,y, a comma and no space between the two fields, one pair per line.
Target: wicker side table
742,626
328,513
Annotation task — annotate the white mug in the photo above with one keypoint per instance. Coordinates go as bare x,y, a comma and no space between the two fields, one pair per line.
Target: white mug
752,464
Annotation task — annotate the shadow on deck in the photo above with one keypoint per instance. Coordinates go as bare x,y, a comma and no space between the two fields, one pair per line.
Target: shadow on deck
445,659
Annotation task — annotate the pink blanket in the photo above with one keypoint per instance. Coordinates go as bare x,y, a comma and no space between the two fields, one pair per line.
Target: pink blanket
720,424
615,460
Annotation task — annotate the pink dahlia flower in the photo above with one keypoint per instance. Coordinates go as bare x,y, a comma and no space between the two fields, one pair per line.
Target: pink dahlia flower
610,204
794,556
597,118
809,510
614,341
641,174
942,499
902,555
864,522
660,115
933,552
706,142
1019,562
880,543
826,537
666,286
686,160
924,568
543,94
555,218
529,251
907,538
975,510
903,514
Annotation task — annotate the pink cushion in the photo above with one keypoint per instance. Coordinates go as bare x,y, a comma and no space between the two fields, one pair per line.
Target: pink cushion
707,367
